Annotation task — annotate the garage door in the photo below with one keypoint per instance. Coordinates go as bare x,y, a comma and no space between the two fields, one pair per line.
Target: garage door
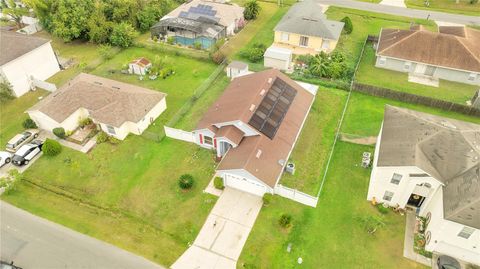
244,185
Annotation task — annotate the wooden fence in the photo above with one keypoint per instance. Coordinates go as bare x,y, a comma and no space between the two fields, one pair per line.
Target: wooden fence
415,99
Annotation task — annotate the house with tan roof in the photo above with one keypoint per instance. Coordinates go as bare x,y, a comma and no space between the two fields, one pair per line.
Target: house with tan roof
117,108
452,53
253,128
25,59
431,165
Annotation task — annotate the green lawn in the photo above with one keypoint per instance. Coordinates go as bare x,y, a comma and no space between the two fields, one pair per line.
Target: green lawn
330,235
365,114
315,142
449,91
450,6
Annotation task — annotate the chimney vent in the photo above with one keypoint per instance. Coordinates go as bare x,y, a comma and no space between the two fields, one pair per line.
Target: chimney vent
259,153
252,107
262,93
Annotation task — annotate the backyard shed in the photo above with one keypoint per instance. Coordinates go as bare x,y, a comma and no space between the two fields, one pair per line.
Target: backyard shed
278,58
236,68
139,66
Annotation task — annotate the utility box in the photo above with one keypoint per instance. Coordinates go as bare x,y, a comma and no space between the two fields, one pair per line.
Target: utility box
290,168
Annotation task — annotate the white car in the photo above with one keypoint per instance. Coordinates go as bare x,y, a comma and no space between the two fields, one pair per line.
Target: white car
27,152
5,157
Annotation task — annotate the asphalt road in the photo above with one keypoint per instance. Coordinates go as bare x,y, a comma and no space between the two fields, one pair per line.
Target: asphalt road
407,12
33,242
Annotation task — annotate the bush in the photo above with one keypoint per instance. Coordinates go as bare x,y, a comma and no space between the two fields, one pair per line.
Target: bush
285,220
473,2
170,40
6,91
218,183
267,198
106,51
51,147
113,140
123,35
382,209
197,45
102,137
59,132
84,122
29,124
185,182
254,54
348,28
217,57
252,8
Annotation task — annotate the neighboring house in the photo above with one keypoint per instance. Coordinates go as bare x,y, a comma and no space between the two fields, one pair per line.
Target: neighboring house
253,128
279,58
432,165
199,21
117,108
25,59
306,30
452,53
139,66
236,69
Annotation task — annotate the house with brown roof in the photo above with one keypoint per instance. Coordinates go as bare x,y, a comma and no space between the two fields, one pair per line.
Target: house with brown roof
25,59
117,108
431,165
452,53
253,128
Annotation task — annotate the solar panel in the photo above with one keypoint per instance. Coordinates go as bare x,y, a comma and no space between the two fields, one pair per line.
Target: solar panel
270,113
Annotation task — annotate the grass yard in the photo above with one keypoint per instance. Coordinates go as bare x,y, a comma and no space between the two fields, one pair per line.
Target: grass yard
449,91
365,114
313,147
450,6
367,23
333,234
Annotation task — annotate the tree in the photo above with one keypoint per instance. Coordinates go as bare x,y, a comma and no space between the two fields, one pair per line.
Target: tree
252,8
15,12
348,28
6,91
99,28
318,65
42,9
51,147
70,18
123,35
29,124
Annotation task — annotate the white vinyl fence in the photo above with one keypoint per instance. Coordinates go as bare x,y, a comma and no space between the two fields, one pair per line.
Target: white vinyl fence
179,134
296,196
44,85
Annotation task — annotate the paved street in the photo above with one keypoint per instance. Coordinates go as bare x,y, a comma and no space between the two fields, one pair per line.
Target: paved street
32,242
400,11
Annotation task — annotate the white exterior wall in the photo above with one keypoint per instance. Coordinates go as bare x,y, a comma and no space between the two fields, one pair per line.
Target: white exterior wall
245,179
230,29
235,72
276,63
245,128
69,124
40,63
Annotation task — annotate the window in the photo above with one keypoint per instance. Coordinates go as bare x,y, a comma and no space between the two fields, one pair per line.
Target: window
208,140
382,61
111,129
303,41
388,196
285,36
466,232
396,179
326,44
428,218
472,76
406,66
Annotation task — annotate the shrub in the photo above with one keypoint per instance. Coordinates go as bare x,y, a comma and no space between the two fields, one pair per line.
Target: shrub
106,51
197,45
114,140
29,124
123,35
218,183
217,57
171,40
473,2
285,220
51,147
185,182
382,209
102,137
84,122
267,198
252,8
59,132
6,91
348,28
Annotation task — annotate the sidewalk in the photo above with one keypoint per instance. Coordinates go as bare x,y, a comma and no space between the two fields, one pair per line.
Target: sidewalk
408,251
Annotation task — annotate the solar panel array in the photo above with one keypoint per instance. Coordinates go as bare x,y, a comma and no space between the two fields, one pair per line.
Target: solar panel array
203,10
270,113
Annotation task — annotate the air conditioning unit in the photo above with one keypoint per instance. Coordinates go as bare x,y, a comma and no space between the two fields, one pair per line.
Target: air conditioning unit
290,168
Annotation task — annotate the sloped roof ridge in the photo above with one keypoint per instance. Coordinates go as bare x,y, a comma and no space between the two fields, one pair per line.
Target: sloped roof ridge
464,39
412,33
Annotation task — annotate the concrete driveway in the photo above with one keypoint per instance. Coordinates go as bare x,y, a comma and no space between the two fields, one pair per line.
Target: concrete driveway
222,237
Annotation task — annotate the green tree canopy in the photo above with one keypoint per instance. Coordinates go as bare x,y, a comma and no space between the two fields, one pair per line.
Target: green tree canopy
252,9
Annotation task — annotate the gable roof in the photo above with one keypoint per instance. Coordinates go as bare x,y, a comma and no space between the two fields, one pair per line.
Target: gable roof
451,47
14,45
108,101
306,18
141,62
446,149
235,104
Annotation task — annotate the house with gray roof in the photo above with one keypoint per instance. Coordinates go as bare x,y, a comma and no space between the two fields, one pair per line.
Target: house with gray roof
24,60
306,30
431,164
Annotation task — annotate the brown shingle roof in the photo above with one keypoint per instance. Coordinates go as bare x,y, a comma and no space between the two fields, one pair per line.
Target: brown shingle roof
236,103
108,101
231,132
141,62
14,45
447,48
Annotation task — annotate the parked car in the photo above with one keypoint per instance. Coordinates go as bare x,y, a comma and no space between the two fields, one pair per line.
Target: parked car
5,157
27,152
21,139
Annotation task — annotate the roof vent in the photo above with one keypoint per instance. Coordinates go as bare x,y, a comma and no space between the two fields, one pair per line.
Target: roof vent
270,80
262,93
99,83
252,107
115,87
259,153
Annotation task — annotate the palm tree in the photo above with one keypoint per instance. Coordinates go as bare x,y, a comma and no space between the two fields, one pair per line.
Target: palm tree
319,65
252,8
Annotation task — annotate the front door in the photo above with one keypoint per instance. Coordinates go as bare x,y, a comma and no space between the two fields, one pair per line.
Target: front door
415,200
